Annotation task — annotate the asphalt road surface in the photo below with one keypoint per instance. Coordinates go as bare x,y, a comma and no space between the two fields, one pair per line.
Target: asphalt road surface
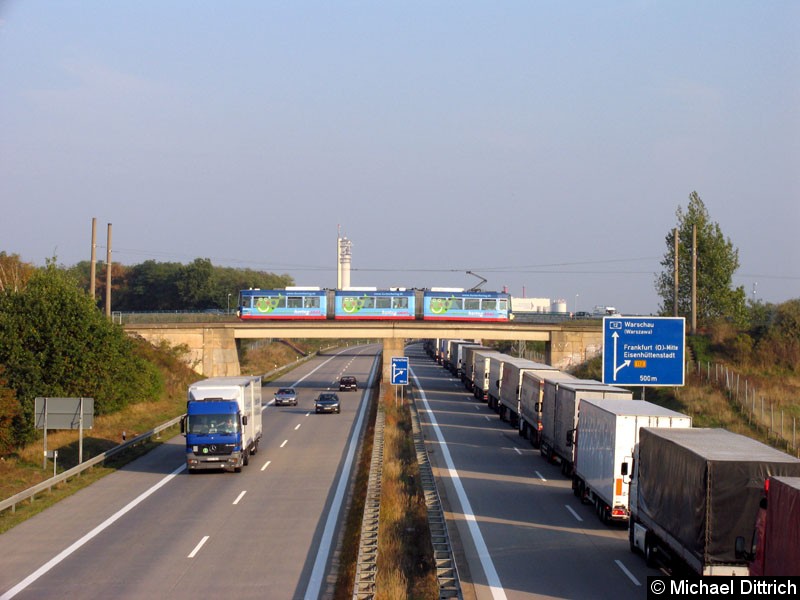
518,530
152,531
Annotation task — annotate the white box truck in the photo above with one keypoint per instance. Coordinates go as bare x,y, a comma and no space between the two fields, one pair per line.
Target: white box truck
222,424
605,439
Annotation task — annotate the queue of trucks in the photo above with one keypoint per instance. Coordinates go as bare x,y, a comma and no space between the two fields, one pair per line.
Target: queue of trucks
693,499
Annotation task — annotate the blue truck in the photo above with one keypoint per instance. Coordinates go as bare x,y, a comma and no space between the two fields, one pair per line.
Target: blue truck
222,424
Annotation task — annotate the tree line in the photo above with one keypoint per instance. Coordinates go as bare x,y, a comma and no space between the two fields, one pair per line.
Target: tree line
157,286
56,342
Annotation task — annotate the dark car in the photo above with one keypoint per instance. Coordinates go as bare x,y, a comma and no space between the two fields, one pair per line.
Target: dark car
327,402
286,396
348,383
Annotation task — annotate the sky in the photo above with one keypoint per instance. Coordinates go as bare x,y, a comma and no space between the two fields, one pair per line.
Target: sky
545,146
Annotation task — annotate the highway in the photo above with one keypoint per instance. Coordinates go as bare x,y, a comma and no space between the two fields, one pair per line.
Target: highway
152,531
517,529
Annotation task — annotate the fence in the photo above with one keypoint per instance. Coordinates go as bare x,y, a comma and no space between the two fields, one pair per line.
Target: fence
760,411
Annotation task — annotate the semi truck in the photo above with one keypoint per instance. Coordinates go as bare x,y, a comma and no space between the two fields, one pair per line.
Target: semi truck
775,547
511,386
560,416
457,349
497,363
450,354
482,380
531,399
468,365
605,439
222,424
694,491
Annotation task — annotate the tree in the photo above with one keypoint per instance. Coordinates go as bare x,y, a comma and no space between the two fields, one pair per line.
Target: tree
717,261
54,342
14,273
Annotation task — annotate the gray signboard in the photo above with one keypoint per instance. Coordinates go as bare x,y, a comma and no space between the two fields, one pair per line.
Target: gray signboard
64,413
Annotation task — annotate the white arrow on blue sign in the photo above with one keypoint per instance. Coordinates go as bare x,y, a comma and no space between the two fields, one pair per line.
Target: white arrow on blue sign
646,351
400,370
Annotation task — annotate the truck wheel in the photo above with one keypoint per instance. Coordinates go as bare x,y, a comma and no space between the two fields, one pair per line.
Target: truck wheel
649,552
246,458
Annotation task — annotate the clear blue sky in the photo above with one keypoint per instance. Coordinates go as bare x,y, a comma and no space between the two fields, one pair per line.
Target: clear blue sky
543,145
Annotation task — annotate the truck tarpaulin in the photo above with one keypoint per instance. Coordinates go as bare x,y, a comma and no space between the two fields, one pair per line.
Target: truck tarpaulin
703,486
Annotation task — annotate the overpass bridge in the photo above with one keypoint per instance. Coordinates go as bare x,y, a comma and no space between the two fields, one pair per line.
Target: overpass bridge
213,346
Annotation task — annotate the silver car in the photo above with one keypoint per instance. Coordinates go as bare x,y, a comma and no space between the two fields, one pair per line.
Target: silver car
286,396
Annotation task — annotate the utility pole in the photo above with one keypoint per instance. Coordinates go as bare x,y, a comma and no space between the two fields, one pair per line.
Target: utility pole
93,268
675,276
108,274
694,279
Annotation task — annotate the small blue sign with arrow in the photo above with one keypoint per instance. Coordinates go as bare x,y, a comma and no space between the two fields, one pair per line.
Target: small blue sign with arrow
399,370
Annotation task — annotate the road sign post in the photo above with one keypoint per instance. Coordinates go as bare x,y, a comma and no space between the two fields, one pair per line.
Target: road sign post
645,351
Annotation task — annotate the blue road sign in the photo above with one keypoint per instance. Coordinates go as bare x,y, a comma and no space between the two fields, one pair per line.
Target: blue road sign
646,351
399,370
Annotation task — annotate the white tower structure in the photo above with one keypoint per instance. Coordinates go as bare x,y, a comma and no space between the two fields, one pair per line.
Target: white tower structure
344,252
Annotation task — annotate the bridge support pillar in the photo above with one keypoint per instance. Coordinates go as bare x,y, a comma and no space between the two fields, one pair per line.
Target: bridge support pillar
570,348
391,347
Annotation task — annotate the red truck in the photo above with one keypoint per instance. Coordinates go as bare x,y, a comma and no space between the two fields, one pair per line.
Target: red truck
775,547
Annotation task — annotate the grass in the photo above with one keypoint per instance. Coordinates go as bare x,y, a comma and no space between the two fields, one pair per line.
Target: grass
406,568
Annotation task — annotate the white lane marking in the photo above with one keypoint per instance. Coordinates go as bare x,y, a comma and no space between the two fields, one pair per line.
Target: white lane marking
628,573
284,443
540,476
239,497
266,464
518,451
477,407
93,533
492,578
324,548
487,417
297,426
308,413
574,514
194,552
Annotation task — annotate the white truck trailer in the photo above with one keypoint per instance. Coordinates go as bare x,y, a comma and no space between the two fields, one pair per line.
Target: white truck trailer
457,355
222,424
511,386
531,400
468,365
496,364
605,439
560,416
482,380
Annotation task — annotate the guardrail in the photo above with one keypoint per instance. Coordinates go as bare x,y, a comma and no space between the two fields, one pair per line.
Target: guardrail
446,571
48,484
